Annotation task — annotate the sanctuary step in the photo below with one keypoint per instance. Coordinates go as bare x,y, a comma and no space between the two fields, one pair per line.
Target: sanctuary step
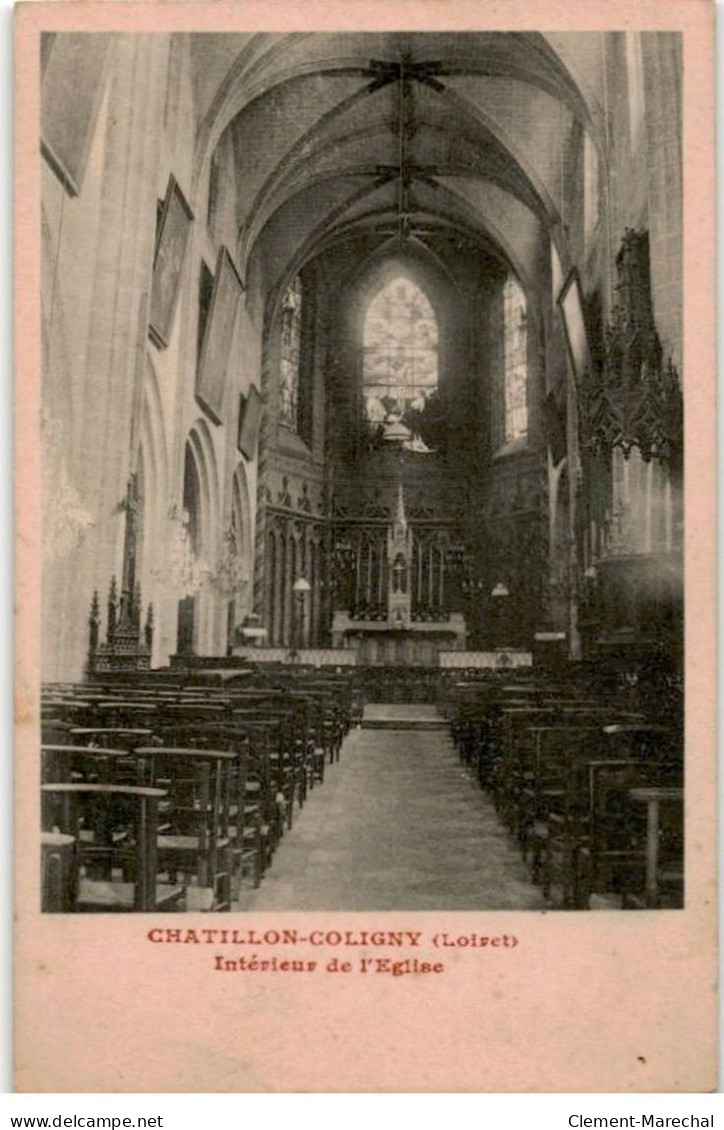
402,716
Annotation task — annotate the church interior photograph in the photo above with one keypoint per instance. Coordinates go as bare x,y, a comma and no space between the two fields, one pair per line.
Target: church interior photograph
362,468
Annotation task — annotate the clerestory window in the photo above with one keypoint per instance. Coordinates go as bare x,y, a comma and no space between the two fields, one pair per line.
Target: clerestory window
515,383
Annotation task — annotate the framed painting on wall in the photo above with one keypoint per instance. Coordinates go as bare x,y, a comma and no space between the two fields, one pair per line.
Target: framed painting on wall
249,417
171,246
218,337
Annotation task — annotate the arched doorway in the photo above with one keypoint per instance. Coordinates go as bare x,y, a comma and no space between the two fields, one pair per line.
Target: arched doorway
195,556
239,555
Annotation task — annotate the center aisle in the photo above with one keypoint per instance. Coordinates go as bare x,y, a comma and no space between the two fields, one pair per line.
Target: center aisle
397,825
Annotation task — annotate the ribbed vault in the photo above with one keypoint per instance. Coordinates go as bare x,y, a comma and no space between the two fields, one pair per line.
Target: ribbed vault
430,136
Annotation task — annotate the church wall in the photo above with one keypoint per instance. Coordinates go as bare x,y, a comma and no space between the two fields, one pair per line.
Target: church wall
224,590
176,155
639,188
97,254
176,366
115,402
68,223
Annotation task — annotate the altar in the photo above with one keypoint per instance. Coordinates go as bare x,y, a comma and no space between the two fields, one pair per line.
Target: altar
414,644
399,637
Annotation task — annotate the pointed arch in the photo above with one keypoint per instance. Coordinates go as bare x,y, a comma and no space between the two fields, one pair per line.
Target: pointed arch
243,551
241,506
202,447
197,613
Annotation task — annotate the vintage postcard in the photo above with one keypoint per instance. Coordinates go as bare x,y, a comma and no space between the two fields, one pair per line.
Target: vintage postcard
365,409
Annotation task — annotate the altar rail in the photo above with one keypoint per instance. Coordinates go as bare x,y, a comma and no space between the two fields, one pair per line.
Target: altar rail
505,658
309,656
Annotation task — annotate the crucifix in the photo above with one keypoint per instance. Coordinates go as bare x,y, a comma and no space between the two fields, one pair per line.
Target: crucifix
132,507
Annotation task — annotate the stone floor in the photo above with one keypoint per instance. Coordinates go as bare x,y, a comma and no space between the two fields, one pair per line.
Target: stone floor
401,712
397,825
403,716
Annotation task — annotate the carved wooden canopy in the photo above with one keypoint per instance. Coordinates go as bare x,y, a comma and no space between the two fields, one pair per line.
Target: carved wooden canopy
634,396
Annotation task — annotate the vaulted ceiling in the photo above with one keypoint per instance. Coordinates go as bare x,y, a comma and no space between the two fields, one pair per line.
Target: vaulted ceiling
426,134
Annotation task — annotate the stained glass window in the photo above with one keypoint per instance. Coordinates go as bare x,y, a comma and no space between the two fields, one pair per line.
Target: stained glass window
516,368
289,355
400,367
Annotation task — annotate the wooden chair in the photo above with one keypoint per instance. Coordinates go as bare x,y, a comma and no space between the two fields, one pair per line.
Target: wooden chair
508,733
260,783
576,740
644,741
334,716
115,830
245,815
54,730
545,783
105,737
179,714
68,711
279,772
124,712
194,840
310,738
622,855
69,764
663,847
131,770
